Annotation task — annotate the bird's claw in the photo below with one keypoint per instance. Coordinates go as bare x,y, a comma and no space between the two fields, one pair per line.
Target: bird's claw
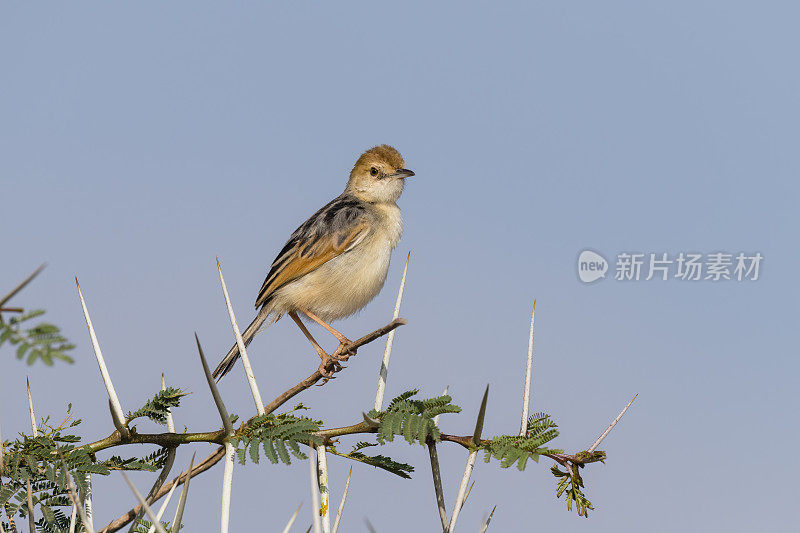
329,366
344,352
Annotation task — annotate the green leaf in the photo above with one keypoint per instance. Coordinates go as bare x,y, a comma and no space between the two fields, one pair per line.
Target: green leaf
157,408
269,451
42,341
413,419
278,435
22,349
254,455
380,461
282,453
47,512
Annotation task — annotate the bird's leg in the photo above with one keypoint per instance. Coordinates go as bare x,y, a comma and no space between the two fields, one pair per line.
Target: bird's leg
327,360
336,333
342,353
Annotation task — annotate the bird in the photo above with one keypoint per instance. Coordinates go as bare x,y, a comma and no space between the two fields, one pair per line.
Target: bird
336,262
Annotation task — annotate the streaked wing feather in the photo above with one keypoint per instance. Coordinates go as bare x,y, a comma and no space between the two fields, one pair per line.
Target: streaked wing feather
333,230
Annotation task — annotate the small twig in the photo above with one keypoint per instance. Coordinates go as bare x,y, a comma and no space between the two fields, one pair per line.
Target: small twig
312,466
176,522
22,284
112,394
11,309
526,395
248,370
150,514
610,426
341,504
316,376
292,519
223,412
387,352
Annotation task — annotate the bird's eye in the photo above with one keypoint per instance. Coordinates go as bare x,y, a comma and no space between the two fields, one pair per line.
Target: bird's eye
373,171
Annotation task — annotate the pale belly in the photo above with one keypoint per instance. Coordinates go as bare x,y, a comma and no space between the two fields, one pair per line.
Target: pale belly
342,286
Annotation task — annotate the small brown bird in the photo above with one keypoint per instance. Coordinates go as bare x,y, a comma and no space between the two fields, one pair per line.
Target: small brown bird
336,262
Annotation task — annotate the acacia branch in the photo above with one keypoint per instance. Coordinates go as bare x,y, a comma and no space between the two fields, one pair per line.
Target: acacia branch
220,436
466,441
328,436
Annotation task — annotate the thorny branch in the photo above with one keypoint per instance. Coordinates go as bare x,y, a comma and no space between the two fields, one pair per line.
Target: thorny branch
125,435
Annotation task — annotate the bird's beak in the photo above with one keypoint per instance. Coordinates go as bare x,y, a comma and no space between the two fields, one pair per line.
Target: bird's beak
403,173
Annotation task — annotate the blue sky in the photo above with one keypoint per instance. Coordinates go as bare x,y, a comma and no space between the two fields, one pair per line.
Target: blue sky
139,142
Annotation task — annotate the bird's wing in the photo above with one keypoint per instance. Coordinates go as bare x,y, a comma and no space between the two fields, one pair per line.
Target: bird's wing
333,230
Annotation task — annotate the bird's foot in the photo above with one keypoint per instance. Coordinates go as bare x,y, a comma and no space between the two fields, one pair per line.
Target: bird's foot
328,367
344,351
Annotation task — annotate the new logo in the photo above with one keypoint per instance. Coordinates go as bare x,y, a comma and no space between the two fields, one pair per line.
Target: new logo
591,266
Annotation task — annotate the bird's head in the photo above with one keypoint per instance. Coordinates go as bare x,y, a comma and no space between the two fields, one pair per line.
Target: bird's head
378,175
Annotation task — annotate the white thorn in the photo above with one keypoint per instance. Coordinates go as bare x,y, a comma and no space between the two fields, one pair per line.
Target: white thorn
34,429
248,370
227,485
73,519
170,420
176,521
292,519
486,521
387,352
341,504
73,495
610,427
88,503
150,514
112,394
462,490
163,508
312,465
526,395
324,491
436,418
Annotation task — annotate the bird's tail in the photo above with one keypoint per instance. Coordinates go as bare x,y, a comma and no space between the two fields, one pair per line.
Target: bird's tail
227,363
